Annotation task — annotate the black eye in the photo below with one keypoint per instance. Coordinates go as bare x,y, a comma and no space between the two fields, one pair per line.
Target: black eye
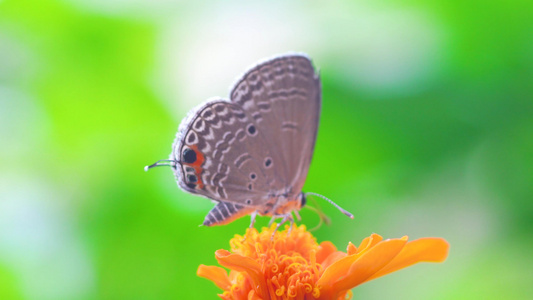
303,201
248,201
189,156
253,176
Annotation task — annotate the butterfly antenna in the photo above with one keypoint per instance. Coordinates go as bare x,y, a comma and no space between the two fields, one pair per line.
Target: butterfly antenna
170,163
323,219
344,211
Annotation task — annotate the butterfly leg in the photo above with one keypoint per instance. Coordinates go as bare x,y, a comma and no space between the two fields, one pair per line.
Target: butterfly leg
252,216
252,222
292,222
285,218
298,217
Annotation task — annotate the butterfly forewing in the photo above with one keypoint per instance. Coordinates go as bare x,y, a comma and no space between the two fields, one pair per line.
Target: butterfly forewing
283,96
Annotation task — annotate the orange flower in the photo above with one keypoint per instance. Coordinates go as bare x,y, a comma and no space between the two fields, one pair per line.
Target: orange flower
293,266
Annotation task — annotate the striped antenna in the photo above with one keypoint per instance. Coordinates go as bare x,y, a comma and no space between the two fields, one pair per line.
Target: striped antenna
344,211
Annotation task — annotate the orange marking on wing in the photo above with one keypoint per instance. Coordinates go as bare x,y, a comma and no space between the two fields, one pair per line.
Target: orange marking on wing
197,165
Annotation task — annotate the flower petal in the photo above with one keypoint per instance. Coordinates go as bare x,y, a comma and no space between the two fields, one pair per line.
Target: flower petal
216,274
369,242
421,250
370,262
253,296
337,269
351,249
244,264
324,250
333,257
340,265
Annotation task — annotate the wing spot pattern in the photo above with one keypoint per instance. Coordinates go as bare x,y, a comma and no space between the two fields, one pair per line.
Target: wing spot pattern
240,135
251,130
242,159
257,116
264,106
192,138
268,162
286,126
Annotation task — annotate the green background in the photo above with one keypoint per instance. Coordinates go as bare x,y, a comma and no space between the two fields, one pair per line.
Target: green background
426,130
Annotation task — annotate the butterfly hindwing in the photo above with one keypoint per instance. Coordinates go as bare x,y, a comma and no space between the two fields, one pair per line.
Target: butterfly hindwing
222,155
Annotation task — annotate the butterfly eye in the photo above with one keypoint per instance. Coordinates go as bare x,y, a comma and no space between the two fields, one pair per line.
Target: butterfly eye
303,200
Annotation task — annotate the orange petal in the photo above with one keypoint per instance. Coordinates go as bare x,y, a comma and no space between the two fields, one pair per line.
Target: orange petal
351,249
421,250
324,250
253,296
370,262
216,274
337,269
333,257
340,267
369,242
244,264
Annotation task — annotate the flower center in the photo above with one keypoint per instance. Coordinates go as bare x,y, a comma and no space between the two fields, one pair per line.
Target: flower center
291,274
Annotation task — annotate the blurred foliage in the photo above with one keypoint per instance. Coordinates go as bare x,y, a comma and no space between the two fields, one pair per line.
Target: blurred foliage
447,153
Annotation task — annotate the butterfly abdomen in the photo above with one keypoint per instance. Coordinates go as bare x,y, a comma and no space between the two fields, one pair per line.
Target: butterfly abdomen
225,212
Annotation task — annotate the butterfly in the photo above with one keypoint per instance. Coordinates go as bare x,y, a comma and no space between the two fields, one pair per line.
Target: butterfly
251,153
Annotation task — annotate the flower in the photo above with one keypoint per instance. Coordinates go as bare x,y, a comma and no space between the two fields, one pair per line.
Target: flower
292,265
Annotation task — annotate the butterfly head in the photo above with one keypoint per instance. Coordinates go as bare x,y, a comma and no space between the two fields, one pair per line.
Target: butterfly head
302,200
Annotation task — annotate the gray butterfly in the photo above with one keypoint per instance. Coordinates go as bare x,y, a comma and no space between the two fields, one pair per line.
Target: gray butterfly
251,153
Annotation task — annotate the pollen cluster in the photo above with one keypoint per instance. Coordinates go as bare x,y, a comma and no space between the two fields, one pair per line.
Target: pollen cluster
288,260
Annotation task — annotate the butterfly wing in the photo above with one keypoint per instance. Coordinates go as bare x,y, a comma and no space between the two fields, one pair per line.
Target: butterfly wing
283,96
221,155
245,151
